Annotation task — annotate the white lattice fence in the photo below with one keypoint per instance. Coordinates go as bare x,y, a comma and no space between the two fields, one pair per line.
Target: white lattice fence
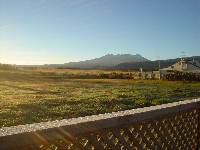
169,126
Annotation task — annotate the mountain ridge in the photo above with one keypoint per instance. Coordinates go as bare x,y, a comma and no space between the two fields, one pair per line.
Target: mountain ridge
108,60
124,64
151,65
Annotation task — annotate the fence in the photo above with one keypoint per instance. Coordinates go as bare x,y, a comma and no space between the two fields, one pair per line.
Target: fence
168,126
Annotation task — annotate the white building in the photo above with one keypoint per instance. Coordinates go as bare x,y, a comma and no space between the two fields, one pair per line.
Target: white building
183,66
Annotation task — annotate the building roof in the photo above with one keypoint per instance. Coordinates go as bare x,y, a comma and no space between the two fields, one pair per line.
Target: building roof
185,66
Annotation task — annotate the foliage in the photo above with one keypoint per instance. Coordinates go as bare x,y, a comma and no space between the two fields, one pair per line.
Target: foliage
182,76
33,96
7,67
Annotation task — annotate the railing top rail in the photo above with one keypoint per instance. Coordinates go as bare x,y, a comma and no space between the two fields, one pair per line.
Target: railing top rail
97,122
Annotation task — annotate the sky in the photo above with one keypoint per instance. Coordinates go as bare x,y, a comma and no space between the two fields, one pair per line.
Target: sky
60,31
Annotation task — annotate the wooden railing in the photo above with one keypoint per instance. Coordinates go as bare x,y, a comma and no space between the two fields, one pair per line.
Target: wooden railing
168,126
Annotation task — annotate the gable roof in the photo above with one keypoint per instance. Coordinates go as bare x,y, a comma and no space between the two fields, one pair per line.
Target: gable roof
194,66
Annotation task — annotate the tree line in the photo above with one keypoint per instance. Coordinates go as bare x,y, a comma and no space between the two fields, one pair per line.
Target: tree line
182,76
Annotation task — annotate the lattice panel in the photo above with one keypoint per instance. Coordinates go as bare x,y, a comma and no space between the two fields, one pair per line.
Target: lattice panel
176,132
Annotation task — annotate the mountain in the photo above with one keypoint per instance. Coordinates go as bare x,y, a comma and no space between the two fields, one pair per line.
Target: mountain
151,65
109,60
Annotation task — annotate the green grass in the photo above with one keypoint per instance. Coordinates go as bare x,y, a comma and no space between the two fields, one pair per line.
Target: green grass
28,97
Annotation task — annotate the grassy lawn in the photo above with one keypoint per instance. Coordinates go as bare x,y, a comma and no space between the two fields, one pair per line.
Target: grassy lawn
31,96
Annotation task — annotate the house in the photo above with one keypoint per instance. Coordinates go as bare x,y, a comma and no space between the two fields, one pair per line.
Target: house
156,75
183,65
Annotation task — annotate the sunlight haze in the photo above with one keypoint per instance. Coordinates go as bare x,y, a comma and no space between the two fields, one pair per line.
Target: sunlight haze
52,32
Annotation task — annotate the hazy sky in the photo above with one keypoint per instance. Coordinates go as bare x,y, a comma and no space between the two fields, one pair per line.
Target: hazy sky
59,31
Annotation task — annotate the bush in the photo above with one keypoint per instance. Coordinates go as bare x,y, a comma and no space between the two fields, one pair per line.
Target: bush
182,76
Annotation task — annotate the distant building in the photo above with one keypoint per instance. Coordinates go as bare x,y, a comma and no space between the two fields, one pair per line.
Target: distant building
143,75
156,75
183,66
191,66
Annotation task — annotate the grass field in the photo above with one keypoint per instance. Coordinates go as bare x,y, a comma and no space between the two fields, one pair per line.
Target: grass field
32,96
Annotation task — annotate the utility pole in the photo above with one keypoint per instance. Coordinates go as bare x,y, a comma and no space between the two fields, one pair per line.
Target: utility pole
158,62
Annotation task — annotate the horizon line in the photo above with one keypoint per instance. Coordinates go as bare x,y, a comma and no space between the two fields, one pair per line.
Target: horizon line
43,64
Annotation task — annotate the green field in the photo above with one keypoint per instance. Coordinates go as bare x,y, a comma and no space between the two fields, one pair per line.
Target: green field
35,96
